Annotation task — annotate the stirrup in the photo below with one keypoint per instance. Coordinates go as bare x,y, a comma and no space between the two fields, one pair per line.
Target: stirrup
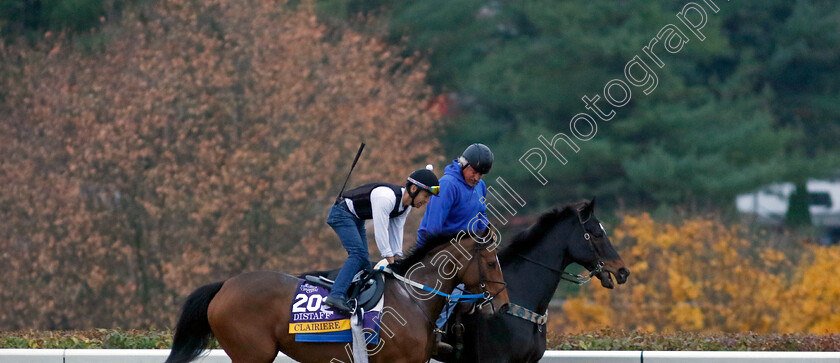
355,305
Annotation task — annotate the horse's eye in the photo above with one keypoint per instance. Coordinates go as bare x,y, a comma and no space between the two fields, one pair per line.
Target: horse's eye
491,264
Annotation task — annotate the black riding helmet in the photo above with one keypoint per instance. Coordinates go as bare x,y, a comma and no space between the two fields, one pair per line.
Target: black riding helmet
424,179
478,156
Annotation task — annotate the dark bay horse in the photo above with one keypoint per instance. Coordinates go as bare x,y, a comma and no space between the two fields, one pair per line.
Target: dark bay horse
533,264
249,313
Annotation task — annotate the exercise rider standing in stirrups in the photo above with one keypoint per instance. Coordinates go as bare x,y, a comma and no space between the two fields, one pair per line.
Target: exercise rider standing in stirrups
387,205
459,202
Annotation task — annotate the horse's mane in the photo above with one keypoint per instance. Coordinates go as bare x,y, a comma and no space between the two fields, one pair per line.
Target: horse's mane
526,239
417,253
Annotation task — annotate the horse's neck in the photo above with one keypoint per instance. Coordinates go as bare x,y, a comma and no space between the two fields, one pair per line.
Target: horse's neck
428,275
529,284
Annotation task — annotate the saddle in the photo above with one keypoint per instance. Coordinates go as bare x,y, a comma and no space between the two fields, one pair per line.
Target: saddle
367,287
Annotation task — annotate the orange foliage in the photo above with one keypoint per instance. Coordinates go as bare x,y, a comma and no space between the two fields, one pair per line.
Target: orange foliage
207,138
705,276
815,298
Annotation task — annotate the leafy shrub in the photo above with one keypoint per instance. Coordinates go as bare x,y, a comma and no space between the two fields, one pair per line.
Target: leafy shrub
604,339
90,339
609,339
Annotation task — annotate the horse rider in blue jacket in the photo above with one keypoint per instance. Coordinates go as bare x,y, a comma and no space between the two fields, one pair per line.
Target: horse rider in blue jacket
388,206
461,193
455,207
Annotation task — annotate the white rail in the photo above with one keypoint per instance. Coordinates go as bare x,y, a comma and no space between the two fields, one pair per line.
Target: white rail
578,356
572,356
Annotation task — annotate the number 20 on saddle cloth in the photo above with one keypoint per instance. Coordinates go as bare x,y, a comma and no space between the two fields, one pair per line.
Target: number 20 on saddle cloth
315,322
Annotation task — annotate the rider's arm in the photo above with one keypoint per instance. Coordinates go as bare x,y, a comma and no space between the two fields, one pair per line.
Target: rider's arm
396,233
382,202
483,211
438,208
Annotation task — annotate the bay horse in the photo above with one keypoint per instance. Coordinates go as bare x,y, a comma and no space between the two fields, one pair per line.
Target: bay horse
249,313
533,264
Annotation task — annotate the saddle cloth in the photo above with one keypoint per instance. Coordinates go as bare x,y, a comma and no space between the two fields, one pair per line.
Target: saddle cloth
313,321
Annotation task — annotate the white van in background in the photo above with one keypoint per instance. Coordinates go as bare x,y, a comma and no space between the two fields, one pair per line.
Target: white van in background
769,204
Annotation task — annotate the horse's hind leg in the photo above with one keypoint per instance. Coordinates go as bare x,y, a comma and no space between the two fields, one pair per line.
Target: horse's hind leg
242,324
248,348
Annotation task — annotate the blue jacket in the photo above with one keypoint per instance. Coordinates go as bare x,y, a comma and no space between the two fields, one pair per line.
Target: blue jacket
453,208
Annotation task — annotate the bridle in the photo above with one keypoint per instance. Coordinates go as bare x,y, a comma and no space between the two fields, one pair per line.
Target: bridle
483,280
575,278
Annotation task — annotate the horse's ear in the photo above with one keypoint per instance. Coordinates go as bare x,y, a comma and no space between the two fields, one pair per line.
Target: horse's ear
587,211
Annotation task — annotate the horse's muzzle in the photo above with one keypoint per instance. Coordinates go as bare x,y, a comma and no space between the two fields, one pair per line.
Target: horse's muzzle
622,275
613,268
606,279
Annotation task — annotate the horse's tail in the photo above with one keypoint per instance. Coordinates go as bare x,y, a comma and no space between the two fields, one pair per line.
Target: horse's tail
193,334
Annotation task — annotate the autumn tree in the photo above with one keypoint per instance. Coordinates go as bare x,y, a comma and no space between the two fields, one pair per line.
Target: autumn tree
206,139
705,276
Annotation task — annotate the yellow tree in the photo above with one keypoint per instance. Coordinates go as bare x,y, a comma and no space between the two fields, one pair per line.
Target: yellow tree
814,297
698,276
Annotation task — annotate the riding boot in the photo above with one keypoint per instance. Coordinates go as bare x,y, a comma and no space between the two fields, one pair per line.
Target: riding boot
338,303
444,349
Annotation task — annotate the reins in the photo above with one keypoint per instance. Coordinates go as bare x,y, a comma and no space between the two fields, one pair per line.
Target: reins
486,297
568,276
417,285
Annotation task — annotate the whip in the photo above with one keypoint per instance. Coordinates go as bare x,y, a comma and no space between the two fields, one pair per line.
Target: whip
358,153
